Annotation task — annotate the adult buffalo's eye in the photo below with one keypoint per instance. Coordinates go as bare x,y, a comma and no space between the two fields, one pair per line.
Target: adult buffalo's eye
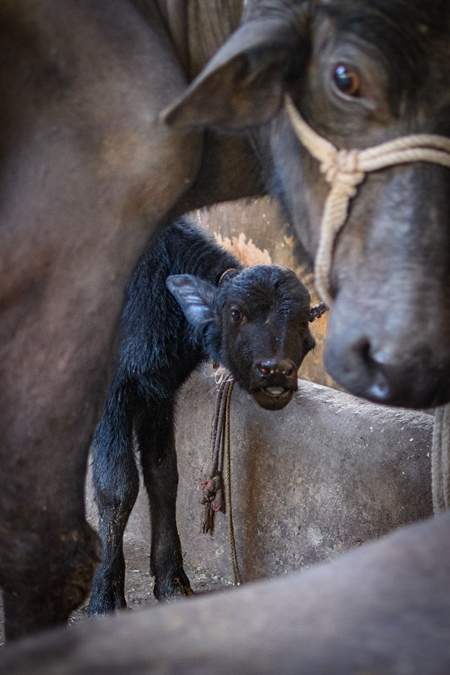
346,80
236,315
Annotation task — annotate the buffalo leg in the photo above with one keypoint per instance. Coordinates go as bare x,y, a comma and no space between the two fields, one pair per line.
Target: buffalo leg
70,561
155,432
116,486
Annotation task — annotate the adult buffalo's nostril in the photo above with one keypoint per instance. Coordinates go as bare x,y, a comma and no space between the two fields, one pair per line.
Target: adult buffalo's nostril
382,385
376,382
353,363
406,377
362,349
379,392
377,357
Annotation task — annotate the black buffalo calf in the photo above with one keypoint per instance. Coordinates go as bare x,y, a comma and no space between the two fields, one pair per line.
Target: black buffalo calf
188,301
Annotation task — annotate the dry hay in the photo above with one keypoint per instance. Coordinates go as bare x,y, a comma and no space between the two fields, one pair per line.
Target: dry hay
245,251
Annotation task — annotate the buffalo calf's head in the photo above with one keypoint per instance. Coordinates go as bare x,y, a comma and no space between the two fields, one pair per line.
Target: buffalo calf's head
255,323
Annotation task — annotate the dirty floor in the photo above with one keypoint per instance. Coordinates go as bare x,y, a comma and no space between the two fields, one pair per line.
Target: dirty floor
139,583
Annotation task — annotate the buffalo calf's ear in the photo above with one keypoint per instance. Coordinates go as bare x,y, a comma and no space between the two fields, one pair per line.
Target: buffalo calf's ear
243,85
195,297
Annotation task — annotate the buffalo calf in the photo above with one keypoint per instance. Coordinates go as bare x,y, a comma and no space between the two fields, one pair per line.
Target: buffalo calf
188,300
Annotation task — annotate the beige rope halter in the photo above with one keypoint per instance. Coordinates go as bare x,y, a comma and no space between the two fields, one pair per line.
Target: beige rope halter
344,170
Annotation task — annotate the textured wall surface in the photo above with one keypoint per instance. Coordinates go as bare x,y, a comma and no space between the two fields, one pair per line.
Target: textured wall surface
313,480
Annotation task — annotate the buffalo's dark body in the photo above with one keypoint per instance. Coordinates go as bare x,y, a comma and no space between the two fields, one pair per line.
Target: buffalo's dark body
381,608
89,171
88,174
161,344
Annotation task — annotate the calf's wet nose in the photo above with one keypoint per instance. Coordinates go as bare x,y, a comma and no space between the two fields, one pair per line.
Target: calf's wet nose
273,382
275,371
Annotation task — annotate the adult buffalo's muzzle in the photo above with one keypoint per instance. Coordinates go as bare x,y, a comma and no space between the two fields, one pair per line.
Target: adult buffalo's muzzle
405,373
273,382
389,326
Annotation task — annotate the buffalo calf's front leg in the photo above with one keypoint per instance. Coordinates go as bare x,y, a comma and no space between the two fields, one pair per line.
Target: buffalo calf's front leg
155,433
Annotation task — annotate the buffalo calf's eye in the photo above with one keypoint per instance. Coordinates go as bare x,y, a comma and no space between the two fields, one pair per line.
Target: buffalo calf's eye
346,80
236,315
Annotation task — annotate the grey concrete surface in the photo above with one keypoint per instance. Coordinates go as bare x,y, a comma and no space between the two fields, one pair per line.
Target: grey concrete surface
321,476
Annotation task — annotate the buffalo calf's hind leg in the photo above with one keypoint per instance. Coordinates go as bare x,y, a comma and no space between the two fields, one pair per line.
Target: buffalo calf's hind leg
116,486
156,441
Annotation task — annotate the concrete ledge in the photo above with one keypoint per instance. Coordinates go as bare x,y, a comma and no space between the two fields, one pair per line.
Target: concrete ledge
321,476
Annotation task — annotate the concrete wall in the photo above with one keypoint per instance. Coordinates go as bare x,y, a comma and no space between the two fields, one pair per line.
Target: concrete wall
313,480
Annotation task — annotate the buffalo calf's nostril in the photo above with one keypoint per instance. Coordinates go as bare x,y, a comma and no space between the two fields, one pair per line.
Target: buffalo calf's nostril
267,367
263,368
274,366
288,370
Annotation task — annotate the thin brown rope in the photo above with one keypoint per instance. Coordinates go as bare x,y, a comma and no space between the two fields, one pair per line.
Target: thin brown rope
212,484
232,541
214,497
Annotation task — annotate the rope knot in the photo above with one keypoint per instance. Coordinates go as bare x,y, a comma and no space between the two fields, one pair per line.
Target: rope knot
221,376
342,171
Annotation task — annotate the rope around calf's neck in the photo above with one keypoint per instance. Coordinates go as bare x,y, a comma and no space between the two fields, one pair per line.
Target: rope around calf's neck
215,495
344,170
232,541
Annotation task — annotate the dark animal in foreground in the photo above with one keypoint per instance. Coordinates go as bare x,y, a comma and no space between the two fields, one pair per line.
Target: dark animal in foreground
382,608
254,321
90,169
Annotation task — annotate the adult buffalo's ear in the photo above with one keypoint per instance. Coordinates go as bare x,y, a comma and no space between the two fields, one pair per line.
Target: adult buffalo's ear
244,82
195,297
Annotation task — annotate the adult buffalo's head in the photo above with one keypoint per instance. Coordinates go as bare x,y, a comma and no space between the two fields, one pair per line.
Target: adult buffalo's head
361,73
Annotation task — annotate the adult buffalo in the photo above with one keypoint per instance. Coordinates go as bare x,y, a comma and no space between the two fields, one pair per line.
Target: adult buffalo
362,73
90,169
